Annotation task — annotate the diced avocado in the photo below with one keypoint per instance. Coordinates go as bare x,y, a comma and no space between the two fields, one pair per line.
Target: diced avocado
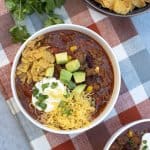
61,58
73,65
65,75
49,72
79,76
80,88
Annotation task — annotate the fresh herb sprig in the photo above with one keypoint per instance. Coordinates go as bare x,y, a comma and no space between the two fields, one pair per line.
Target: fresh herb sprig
21,8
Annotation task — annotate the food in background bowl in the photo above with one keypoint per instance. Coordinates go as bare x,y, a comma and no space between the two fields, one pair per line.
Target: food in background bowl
65,79
123,6
135,136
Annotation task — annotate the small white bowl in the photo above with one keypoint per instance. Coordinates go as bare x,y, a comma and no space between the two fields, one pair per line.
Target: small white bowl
108,50
122,130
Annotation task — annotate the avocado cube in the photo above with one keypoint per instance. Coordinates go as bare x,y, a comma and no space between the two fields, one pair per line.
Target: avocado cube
65,75
79,88
73,65
49,72
61,58
79,76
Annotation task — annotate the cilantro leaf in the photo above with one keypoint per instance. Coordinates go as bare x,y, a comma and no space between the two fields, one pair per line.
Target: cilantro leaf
18,15
21,8
10,4
19,33
48,22
50,6
53,19
38,6
27,9
59,2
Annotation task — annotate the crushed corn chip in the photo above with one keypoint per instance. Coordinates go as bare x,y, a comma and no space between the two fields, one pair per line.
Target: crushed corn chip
34,62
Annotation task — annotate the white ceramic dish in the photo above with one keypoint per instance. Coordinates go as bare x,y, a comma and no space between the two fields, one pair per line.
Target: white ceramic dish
121,130
109,52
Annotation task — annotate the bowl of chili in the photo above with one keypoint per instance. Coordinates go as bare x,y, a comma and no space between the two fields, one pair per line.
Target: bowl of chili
94,49
135,135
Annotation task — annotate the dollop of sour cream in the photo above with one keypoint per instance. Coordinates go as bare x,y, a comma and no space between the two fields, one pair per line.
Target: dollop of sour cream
53,89
145,144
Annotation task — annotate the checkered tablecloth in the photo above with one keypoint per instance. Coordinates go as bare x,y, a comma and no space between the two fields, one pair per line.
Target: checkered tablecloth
134,60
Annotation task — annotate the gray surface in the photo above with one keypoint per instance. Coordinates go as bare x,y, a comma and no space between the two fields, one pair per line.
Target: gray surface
11,135
30,129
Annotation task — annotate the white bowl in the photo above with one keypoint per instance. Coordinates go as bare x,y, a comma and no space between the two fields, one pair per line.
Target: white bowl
109,52
122,130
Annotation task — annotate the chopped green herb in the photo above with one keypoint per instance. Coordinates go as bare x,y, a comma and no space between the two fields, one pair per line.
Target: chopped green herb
17,15
63,104
10,4
19,33
44,86
131,142
71,85
59,2
50,6
42,97
67,94
67,111
41,105
28,9
21,8
144,147
53,19
35,91
37,103
144,141
54,85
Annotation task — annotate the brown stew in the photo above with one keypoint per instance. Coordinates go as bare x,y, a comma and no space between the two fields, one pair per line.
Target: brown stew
90,54
132,138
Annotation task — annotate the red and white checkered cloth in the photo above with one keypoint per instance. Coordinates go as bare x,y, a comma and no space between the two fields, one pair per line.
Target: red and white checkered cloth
133,102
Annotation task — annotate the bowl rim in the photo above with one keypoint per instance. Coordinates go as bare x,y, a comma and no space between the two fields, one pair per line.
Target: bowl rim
121,130
111,13
109,52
